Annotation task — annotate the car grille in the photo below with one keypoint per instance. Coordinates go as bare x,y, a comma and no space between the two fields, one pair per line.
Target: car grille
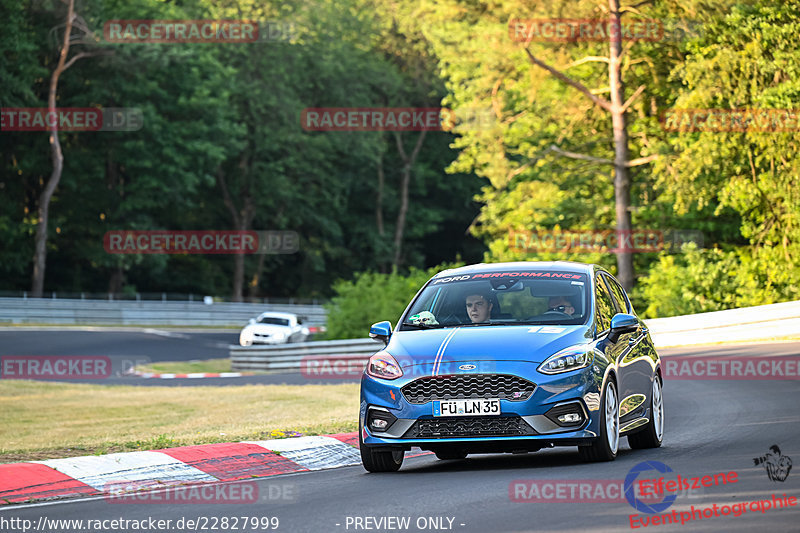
467,386
469,426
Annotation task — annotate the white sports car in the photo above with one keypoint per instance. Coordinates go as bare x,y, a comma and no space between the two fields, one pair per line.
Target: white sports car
274,328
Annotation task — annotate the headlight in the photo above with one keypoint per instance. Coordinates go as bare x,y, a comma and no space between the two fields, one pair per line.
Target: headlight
571,358
245,336
383,365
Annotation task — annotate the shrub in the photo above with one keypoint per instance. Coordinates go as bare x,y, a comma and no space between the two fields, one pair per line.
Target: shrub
372,297
698,281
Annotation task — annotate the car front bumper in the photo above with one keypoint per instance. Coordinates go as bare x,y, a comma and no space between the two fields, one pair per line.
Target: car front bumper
537,429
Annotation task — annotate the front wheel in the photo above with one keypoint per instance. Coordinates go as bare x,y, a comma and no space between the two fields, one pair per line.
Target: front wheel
607,443
379,461
653,433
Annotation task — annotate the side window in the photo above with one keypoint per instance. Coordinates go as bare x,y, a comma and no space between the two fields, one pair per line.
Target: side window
604,305
618,294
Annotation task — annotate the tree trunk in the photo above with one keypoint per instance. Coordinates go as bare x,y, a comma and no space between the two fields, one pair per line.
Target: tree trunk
116,281
616,107
242,221
252,289
57,158
238,277
408,163
382,263
622,180
379,197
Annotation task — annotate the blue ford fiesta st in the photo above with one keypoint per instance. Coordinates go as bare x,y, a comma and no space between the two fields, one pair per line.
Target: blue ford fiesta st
512,357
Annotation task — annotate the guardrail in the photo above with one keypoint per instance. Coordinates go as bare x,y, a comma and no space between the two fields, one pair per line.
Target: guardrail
160,296
745,324
288,357
146,313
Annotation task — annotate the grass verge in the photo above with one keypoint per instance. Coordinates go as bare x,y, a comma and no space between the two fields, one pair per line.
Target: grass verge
187,367
50,420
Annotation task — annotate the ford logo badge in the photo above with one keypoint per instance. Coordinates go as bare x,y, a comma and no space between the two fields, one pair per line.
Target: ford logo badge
467,367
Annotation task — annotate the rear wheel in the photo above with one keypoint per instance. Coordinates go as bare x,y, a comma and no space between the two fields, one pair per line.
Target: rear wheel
607,443
653,433
379,461
450,455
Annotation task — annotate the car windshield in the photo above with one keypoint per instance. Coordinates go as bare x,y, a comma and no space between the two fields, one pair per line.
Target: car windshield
273,320
501,298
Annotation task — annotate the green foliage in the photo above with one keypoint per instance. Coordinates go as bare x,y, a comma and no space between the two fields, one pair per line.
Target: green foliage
214,110
746,59
230,110
372,297
699,281
736,188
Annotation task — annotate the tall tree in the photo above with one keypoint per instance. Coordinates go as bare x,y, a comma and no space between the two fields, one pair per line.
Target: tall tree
56,155
743,60
559,153
616,107
408,164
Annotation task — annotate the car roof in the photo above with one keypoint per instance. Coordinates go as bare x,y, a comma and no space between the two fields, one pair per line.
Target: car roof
563,266
276,314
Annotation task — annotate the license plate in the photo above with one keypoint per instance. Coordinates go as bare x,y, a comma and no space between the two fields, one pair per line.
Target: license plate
466,407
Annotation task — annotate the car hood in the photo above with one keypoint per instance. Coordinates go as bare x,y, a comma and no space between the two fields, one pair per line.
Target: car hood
489,343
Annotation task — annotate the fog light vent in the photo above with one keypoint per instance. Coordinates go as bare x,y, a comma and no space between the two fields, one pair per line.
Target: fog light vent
567,415
379,420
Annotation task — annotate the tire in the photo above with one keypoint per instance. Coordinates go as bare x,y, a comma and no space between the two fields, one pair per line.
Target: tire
653,433
379,461
446,455
605,447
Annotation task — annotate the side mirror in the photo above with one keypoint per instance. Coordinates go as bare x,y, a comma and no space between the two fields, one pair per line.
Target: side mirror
622,323
251,321
381,331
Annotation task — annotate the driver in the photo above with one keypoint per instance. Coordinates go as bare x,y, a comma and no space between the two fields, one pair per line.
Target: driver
478,307
561,304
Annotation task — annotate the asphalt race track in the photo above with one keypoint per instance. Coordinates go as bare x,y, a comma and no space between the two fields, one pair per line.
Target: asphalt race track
158,345
711,427
154,344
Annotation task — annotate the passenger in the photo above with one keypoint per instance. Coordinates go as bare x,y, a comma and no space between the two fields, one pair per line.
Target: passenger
561,304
